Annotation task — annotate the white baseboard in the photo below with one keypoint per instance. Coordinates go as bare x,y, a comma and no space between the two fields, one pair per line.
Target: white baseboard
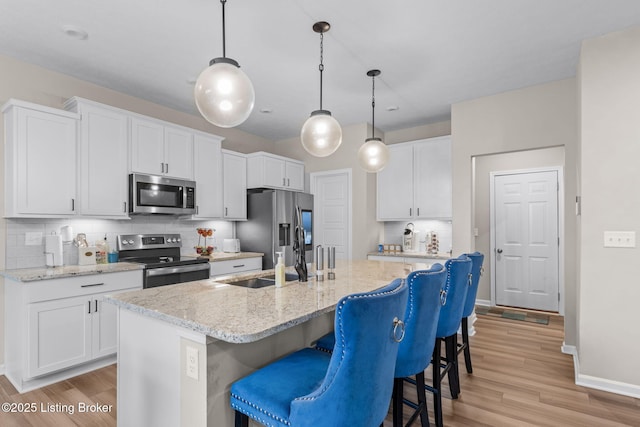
483,302
617,387
2,369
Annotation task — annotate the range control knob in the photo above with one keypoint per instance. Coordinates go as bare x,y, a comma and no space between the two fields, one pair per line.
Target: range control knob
130,242
178,240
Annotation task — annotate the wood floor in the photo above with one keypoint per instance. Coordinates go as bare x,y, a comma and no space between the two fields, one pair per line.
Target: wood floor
519,378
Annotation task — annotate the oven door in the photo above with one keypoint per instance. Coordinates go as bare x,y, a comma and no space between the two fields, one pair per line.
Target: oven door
162,276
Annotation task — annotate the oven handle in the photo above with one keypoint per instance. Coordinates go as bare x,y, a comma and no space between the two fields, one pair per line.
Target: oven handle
165,271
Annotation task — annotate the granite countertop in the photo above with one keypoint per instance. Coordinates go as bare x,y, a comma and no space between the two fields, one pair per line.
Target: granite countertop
225,256
439,255
240,315
46,273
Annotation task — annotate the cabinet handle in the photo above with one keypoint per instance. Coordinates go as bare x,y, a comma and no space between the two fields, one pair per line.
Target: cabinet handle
409,211
197,209
92,285
96,310
89,312
124,207
284,182
418,211
73,205
238,266
166,167
161,167
288,182
226,211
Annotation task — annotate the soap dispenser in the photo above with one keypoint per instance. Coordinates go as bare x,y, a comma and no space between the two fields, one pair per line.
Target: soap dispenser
279,270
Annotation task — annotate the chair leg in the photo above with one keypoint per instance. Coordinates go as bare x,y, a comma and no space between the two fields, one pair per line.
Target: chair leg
437,394
465,343
398,391
451,357
242,420
422,400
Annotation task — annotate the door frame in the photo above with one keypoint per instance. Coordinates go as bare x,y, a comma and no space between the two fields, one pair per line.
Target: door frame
313,176
561,234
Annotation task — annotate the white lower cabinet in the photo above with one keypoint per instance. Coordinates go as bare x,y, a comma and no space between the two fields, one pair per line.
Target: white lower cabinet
55,327
232,266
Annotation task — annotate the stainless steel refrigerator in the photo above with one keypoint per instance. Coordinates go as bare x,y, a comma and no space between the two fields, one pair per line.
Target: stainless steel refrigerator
271,223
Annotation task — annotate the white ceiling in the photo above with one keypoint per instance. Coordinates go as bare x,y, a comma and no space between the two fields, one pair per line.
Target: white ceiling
432,53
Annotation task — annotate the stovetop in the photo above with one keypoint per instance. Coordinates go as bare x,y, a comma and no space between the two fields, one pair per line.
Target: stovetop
154,250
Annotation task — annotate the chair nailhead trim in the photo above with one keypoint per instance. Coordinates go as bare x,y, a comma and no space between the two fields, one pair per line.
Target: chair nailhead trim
265,422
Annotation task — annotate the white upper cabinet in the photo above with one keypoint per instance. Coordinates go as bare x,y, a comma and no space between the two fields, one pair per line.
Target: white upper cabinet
266,170
103,151
235,185
207,163
416,183
40,161
160,148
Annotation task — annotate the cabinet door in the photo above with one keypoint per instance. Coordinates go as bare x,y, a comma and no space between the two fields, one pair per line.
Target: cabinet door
395,185
178,157
207,162
235,186
274,172
46,163
433,190
103,162
104,327
147,146
295,175
59,334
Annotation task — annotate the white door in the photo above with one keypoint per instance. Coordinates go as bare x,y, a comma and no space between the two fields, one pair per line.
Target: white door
332,210
525,230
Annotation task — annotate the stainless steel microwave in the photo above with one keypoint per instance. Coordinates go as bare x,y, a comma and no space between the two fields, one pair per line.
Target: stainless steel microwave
152,194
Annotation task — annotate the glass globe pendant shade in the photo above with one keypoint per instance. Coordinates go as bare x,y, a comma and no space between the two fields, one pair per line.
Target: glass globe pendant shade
224,94
321,134
373,155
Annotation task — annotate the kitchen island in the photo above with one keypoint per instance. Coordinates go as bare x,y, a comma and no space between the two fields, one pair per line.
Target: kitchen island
181,346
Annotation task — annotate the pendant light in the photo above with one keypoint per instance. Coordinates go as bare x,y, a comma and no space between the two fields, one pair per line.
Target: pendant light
373,154
223,92
321,134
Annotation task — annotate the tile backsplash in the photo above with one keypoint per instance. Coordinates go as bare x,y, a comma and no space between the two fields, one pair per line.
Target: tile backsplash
21,255
393,232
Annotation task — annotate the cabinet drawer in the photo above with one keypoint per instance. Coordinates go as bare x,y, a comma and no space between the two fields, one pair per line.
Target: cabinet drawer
220,268
45,290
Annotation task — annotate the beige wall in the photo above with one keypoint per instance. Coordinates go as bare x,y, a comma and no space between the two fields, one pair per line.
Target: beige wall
536,117
27,82
484,165
609,343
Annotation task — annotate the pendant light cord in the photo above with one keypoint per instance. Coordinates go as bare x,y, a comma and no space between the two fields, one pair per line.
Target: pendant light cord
373,106
224,42
321,66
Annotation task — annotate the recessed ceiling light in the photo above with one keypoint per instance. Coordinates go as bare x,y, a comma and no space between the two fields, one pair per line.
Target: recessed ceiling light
266,110
393,108
75,32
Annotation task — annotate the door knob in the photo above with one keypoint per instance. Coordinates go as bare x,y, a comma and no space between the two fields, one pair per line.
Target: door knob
499,251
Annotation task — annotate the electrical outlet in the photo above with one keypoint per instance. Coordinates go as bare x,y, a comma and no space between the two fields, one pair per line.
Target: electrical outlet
192,362
619,239
33,238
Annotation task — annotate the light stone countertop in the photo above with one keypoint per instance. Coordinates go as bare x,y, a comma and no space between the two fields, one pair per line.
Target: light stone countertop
240,315
47,273
226,256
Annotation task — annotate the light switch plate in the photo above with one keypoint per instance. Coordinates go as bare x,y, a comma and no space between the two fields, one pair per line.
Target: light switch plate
33,238
619,239
192,362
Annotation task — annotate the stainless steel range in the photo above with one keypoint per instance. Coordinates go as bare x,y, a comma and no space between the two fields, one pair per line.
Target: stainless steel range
160,254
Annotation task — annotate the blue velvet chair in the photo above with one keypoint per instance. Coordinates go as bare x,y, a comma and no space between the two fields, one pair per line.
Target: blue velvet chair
477,259
454,297
350,387
416,349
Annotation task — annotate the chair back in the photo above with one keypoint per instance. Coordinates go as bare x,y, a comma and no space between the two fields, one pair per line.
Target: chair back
357,387
477,259
455,293
421,320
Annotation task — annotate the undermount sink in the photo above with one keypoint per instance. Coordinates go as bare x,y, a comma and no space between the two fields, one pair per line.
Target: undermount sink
261,282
